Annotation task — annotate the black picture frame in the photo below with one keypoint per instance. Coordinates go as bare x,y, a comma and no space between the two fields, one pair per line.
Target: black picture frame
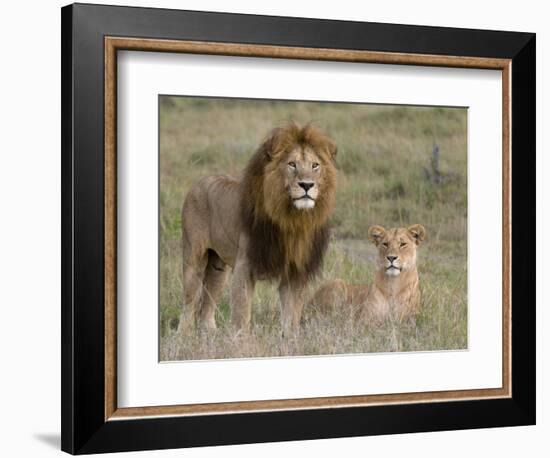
84,428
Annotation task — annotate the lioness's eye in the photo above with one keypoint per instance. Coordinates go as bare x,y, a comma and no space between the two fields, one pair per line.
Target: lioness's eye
292,164
315,166
402,244
385,245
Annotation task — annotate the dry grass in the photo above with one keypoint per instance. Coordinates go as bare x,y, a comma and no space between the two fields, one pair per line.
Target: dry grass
383,152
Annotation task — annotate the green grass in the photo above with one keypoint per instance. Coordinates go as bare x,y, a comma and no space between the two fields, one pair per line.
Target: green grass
383,155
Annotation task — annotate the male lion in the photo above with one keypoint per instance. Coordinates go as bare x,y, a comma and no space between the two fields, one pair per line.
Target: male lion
271,224
395,290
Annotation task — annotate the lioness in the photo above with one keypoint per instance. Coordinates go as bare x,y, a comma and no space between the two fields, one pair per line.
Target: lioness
270,224
394,291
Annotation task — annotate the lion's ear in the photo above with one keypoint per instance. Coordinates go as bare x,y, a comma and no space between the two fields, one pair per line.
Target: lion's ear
268,146
375,234
417,232
332,149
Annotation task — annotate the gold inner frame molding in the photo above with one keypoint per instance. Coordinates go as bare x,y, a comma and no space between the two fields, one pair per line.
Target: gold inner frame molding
114,44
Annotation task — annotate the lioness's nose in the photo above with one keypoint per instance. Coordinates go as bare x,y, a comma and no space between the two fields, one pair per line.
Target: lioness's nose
391,258
306,185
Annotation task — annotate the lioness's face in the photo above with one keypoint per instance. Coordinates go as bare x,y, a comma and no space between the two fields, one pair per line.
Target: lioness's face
396,247
302,174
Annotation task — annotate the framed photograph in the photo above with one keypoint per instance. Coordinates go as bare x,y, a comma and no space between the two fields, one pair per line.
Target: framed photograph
284,228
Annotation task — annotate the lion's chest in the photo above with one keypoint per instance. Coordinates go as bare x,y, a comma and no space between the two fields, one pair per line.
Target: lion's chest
274,253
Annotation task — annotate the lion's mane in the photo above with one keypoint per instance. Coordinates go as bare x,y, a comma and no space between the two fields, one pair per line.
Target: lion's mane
285,242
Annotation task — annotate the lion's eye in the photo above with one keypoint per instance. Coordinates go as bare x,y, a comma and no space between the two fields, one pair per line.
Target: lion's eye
402,244
315,166
385,244
292,165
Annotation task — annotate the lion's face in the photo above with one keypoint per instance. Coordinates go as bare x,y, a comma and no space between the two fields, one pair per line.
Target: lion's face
396,247
299,174
302,177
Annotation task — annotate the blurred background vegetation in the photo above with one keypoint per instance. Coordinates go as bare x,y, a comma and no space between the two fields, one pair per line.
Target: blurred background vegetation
397,165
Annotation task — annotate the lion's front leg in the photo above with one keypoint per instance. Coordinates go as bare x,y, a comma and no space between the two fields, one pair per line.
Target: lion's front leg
242,291
292,295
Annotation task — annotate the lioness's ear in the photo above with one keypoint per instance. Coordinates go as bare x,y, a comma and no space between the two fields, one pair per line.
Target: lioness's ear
375,234
418,233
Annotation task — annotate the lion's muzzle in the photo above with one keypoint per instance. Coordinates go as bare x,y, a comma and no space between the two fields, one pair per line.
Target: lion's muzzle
305,202
392,266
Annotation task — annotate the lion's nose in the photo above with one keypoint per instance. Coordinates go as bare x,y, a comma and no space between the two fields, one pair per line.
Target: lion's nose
391,258
306,185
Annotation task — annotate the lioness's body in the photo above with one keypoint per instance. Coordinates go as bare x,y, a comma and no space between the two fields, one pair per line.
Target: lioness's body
394,291
337,295
269,224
